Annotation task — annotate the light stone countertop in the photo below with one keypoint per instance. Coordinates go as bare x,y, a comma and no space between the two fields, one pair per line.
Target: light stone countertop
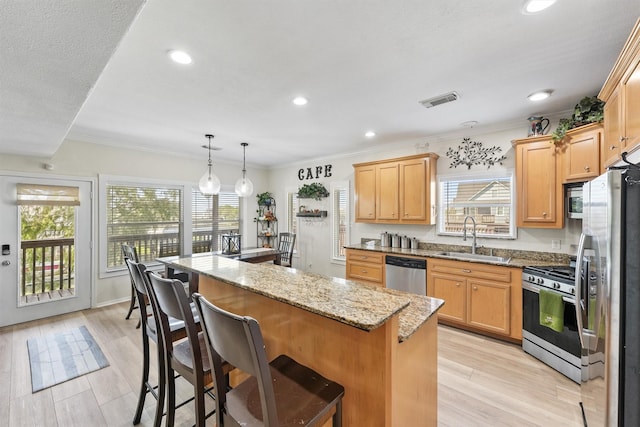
362,306
520,260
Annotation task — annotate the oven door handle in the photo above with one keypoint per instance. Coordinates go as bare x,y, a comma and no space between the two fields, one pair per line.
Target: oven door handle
578,287
535,289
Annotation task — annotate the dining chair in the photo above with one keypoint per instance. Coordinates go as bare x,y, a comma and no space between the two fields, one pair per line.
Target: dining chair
278,393
130,252
286,244
150,332
188,357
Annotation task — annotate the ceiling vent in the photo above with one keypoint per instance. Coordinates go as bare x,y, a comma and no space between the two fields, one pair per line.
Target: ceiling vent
440,99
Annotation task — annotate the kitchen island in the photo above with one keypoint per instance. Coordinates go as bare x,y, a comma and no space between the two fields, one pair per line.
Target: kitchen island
381,345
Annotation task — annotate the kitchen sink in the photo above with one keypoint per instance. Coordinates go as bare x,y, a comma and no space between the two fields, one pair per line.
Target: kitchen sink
478,257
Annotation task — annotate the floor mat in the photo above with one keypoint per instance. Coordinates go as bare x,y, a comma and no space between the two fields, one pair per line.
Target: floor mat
61,356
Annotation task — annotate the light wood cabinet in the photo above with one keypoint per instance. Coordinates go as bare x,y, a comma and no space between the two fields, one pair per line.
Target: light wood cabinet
479,297
582,153
396,191
621,93
365,193
539,183
365,266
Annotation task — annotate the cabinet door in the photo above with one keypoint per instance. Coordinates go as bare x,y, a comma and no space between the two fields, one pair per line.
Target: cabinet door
413,194
387,201
539,186
489,306
631,109
365,189
582,157
453,290
612,130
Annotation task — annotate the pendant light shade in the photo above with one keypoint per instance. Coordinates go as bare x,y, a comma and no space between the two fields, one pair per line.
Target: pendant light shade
244,186
209,183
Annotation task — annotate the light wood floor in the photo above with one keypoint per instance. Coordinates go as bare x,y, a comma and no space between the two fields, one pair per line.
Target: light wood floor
482,382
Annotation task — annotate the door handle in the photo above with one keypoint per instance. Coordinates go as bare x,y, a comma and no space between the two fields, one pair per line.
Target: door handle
6,262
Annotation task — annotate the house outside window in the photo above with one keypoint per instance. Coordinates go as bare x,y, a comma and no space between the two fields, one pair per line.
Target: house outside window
487,199
211,217
339,219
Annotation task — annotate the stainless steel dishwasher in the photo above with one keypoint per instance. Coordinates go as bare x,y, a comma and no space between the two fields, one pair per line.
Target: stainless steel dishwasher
406,274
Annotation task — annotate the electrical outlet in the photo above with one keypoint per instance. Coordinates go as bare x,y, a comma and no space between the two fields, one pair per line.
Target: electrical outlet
555,244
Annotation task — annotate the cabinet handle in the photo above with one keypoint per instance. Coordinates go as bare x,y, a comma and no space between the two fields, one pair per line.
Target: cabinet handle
623,139
587,168
475,288
613,147
364,271
363,257
458,284
544,214
466,271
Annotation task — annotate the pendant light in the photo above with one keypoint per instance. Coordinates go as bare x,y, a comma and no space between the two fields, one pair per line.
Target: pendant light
209,183
244,186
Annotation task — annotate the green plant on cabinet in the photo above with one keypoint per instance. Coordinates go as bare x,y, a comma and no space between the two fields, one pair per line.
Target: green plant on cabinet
313,191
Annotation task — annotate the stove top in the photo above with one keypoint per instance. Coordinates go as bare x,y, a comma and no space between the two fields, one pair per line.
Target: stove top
559,272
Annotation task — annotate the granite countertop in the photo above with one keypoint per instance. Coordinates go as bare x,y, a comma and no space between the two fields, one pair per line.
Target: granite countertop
362,306
517,259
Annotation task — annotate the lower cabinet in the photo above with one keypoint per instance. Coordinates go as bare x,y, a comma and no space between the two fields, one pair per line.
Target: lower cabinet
365,266
478,297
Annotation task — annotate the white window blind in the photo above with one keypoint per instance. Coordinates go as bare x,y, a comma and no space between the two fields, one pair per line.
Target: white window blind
47,195
339,219
213,216
145,216
489,200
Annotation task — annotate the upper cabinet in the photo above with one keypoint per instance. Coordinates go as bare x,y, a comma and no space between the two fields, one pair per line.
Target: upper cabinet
581,157
621,93
396,191
538,183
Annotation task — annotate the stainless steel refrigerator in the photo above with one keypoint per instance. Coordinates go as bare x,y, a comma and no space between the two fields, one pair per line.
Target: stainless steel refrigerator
608,299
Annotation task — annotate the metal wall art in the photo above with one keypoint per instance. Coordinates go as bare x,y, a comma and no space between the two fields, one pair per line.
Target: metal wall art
471,153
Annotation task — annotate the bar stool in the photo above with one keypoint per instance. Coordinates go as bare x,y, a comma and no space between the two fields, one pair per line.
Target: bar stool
280,393
187,357
286,245
131,253
149,332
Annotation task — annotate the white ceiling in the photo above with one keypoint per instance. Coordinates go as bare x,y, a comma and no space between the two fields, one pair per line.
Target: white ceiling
363,64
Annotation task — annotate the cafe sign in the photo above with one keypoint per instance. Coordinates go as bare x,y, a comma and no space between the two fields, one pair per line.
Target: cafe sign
322,171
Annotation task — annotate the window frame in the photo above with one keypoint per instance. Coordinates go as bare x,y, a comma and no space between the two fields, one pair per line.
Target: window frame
186,220
508,174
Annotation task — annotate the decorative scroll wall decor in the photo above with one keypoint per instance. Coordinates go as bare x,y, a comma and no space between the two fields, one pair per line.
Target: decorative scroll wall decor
471,153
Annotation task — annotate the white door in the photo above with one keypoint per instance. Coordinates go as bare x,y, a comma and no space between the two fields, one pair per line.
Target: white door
47,284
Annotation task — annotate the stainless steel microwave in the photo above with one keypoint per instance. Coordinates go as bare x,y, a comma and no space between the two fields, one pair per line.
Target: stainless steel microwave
573,202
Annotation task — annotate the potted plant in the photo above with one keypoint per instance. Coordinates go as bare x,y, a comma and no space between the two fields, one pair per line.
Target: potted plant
265,199
588,110
313,191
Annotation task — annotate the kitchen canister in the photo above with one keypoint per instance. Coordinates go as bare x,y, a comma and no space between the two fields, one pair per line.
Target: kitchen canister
385,239
396,241
414,243
406,242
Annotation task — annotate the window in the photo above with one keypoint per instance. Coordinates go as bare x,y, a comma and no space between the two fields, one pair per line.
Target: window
293,206
146,216
213,216
339,219
488,200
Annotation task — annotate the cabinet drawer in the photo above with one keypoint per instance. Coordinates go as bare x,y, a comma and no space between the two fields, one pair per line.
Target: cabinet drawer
365,256
467,269
365,271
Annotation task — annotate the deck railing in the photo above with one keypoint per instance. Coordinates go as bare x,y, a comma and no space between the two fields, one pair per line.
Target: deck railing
47,265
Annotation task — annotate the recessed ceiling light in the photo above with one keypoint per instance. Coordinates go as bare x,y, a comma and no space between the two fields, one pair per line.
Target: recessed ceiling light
469,124
540,95
535,6
300,100
180,57
370,134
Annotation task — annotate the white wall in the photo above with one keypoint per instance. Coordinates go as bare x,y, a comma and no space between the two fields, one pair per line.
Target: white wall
90,160
315,238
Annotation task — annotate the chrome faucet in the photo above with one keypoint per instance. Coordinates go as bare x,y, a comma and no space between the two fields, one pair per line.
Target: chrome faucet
464,232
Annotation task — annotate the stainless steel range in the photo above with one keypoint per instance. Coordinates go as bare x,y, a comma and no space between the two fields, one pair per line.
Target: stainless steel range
560,350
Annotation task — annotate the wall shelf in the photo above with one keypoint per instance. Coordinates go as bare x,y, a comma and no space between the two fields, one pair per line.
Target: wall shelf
312,214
